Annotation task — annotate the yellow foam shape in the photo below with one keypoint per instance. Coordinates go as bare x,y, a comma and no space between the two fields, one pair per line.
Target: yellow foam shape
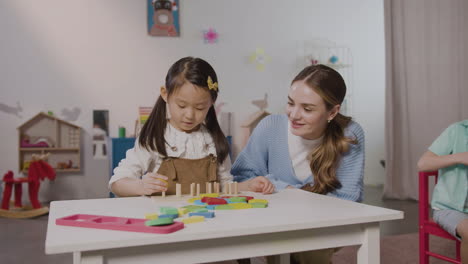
258,201
182,211
241,205
209,195
193,219
151,216
192,200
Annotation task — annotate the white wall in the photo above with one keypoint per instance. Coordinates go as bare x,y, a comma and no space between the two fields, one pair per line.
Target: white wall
97,55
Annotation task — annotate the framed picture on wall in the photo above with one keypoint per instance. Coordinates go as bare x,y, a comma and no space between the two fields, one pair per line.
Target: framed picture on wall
163,18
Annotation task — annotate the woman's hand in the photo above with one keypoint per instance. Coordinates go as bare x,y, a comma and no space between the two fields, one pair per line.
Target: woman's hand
153,183
258,184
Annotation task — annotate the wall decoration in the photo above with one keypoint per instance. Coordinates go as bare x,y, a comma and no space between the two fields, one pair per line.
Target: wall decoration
163,18
210,36
259,58
71,114
12,110
100,133
340,58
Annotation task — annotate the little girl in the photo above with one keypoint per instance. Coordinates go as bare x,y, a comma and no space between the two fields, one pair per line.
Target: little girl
181,142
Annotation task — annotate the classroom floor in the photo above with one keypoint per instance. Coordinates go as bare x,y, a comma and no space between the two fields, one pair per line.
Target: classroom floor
23,240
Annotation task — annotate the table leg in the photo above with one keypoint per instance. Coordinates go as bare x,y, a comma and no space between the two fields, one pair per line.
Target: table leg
279,259
80,258
369,251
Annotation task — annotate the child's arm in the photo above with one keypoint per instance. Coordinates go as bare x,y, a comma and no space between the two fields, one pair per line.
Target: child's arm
149,184
430,161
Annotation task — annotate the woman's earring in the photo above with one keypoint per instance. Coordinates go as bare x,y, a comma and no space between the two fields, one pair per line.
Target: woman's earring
329,120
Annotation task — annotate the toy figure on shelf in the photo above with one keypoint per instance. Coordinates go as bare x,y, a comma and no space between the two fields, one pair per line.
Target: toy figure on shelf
38,170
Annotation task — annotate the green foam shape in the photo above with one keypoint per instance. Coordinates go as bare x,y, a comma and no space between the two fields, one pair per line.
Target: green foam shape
224,207
159,221
258,205
168,210
237,199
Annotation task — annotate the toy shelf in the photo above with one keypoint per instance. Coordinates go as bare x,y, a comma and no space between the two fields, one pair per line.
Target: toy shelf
44,134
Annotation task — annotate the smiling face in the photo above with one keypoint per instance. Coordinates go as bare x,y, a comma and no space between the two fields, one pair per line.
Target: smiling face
307,113
188,106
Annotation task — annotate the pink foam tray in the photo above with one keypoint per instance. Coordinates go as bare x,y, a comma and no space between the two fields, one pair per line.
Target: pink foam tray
116,223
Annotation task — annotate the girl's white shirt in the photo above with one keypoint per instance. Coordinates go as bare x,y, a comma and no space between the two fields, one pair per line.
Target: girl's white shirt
195,145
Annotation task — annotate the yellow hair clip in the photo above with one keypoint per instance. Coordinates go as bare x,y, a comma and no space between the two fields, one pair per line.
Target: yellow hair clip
211,85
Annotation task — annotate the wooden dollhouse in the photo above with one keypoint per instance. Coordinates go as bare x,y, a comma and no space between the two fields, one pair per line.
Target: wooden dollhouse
47,134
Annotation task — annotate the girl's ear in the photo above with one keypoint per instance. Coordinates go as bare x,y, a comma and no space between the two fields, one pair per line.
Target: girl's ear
163,92
334,111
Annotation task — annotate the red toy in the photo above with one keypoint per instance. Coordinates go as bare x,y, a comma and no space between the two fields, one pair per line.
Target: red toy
38,170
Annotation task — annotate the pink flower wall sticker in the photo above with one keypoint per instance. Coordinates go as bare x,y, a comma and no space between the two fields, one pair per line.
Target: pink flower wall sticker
260,59
210,36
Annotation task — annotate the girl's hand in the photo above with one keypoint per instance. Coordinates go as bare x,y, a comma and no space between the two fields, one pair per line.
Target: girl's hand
153,183
260,184
463,156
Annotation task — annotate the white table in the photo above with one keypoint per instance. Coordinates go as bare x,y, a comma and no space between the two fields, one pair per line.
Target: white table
294,221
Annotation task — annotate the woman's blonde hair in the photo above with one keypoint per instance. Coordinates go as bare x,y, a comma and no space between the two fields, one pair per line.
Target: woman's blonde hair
324,159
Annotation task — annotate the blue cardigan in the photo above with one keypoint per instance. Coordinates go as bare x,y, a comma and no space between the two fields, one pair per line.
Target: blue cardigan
267,154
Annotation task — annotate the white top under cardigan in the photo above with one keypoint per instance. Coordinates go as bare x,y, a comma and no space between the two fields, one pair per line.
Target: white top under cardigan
299,149
195,145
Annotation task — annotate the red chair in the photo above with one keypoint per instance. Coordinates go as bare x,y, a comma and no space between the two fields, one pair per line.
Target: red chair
427,226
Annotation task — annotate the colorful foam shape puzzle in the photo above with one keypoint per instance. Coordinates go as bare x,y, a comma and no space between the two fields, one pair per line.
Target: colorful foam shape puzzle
193,219
192,208
204,214
237,199
224,207
173,216
199,202
241,205
182,211
160,221
168,210
211,207
151,216
116,223
258,201
258,205
211,200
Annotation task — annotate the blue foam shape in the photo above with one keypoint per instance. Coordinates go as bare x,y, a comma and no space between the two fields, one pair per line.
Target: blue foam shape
198,202
173,216
205,214
211,206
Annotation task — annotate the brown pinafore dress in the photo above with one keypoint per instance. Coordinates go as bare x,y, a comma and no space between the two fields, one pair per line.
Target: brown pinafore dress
187,171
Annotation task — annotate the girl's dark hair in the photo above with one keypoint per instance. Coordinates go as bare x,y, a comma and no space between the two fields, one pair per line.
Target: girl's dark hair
324,159
195,71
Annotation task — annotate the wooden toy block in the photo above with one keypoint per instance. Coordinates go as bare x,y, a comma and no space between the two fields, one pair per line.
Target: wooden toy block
226,188
198,189
258,205
204,214
168,210
173,216
192,189
163,194
193,219
182,211
235,189
209,195
118,223
160,221
178,190
230,188
224,207
241,205
151,216
258,201
216,187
